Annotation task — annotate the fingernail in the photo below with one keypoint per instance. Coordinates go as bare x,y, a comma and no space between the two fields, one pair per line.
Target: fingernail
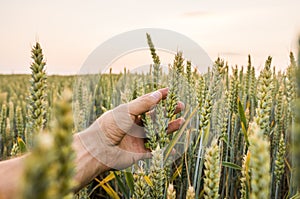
182,121
156,95
183,106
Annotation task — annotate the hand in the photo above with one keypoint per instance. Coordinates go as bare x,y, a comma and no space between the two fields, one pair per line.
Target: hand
116,139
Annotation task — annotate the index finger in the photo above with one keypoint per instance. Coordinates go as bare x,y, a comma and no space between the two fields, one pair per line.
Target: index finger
146,102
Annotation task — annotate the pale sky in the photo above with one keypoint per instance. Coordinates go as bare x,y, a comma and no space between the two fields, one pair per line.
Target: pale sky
69,30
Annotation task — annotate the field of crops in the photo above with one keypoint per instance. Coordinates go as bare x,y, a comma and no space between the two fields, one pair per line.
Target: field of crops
237,140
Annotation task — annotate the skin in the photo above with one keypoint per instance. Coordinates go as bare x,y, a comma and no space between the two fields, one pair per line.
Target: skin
123,145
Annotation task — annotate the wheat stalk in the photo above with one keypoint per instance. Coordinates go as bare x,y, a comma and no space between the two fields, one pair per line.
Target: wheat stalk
37,104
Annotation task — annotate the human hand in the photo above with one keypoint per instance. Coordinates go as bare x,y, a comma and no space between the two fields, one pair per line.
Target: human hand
117,138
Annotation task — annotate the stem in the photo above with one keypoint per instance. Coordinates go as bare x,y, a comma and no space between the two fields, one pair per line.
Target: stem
198,159
277,191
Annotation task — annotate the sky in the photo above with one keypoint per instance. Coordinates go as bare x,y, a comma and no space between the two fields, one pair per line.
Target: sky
69,30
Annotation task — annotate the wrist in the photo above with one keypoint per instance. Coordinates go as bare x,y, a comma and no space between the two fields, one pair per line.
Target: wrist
87,166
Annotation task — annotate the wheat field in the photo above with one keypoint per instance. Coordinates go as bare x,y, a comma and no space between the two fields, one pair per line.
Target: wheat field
240,138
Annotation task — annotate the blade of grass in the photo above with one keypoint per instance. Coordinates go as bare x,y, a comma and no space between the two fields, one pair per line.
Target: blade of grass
231,165
178,135
110,191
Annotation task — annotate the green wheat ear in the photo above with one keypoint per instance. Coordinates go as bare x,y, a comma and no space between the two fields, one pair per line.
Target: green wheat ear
259,163
264,96
245,179
157,72
176,74
212,171
279,163
39,178
37,102
19,122
49,169
3,116
190,194
157,174
63,139
171,192
150,133
141,189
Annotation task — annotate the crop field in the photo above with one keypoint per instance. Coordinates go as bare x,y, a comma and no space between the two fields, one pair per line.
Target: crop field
240,138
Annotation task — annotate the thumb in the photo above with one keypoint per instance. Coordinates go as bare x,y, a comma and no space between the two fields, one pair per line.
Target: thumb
146,102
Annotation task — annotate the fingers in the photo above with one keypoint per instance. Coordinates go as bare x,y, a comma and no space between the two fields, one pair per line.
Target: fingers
175,125
146,102
180,107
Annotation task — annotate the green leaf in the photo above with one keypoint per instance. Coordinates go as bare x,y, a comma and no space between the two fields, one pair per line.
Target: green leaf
22,145
243,121
242,113
129,181
231,165
121,186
